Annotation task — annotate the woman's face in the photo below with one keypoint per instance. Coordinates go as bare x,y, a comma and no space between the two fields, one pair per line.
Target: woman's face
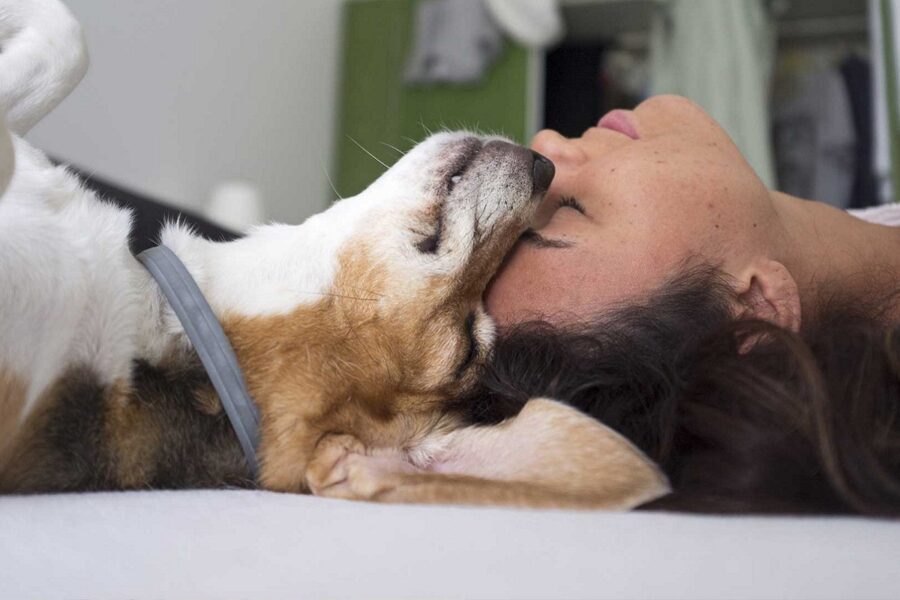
632,200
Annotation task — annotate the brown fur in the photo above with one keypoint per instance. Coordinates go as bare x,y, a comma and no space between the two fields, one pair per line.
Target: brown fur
346,365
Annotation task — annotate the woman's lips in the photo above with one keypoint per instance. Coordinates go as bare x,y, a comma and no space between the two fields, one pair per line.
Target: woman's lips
621,121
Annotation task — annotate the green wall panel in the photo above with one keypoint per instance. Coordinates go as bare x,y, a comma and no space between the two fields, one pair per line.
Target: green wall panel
378,110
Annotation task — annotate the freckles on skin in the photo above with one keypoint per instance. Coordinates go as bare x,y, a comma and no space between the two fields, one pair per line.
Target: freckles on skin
619,251
635,234
537,283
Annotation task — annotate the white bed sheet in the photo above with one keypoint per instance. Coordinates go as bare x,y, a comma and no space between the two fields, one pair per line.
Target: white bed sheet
241,544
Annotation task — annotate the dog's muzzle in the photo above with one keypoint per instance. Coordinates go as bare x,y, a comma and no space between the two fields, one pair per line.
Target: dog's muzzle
543,171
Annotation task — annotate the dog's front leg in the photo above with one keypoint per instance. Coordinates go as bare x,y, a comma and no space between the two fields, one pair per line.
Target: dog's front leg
284,459
392,480
550,455
343,468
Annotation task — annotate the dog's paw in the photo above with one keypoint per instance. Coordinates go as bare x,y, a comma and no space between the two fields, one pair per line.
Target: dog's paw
368,477
343,468
328,466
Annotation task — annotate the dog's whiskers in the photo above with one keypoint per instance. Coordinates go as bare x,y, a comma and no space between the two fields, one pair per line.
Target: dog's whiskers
394,148
330,182
347,296
378,160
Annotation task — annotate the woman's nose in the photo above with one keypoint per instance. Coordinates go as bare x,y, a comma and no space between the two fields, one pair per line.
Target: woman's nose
561,150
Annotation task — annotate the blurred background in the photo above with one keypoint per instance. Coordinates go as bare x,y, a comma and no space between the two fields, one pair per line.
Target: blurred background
269,110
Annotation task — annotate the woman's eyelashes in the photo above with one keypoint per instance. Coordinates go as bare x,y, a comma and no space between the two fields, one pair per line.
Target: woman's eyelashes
570,202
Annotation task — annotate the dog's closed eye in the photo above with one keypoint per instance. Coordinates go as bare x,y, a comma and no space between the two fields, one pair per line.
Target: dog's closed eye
454,179
430,244
472,352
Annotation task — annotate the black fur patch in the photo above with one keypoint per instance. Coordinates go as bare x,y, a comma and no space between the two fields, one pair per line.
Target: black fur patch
154,438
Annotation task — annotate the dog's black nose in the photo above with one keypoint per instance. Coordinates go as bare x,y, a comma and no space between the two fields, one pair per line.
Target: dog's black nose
543,172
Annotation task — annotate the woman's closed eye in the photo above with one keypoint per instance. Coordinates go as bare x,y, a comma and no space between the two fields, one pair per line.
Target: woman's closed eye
570,202
536,240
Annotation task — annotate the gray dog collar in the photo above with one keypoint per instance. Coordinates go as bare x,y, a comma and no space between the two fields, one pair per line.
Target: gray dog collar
215,351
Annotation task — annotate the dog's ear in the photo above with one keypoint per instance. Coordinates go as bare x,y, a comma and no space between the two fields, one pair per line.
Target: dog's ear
555,447
549,455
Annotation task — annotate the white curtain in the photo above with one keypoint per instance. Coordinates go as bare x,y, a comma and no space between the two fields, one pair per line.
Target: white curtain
884,127
720,54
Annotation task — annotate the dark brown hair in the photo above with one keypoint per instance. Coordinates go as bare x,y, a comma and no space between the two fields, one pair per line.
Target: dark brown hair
799,423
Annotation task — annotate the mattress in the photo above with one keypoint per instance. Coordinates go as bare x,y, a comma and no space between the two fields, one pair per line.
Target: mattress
247,544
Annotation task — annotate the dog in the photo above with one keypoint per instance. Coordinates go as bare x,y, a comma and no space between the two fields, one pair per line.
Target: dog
353,330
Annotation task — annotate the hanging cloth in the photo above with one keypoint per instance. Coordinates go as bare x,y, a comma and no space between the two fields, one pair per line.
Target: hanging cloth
815,136
456,42
719,53
884,32
532,23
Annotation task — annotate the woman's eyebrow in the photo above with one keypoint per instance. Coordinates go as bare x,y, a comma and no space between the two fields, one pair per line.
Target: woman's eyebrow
538,241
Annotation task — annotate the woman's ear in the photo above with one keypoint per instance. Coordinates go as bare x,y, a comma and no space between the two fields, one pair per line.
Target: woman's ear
766,290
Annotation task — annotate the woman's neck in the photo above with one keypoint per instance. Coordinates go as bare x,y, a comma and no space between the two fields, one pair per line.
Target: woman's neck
833,255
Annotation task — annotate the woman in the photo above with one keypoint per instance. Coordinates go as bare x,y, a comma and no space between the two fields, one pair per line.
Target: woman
742,337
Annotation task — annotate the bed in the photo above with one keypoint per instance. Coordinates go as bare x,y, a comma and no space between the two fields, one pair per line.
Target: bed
253,544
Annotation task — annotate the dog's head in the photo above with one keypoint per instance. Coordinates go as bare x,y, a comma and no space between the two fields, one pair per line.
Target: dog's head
438,225
369,315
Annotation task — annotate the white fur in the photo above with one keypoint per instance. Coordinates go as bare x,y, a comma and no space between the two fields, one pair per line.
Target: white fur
71,295
66,277
7,157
